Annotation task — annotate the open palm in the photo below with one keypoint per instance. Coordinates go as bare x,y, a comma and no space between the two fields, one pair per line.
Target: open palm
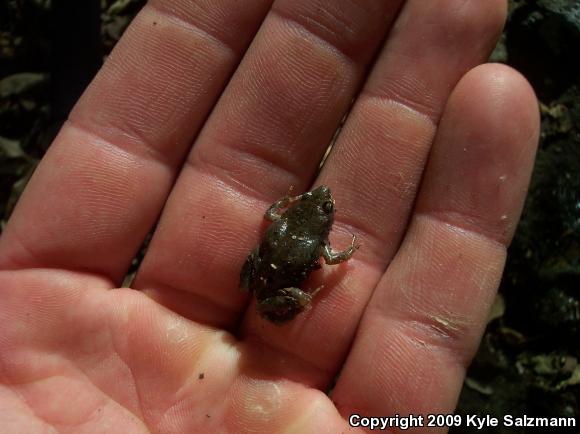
200,119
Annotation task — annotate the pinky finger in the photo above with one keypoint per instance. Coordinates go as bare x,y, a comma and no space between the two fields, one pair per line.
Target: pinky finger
425,319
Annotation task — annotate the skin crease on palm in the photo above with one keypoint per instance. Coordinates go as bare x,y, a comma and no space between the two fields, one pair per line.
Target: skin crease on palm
204,115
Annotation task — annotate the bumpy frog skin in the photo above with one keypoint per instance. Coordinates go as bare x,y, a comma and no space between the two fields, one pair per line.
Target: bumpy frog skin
290,250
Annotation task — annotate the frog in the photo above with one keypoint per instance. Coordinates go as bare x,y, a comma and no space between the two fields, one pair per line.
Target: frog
290,250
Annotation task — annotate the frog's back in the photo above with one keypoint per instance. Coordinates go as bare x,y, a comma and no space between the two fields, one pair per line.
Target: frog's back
290,248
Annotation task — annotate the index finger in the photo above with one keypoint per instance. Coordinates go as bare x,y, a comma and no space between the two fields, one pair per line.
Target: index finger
103,182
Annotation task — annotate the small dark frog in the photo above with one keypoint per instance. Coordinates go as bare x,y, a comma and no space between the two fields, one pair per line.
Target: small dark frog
290,250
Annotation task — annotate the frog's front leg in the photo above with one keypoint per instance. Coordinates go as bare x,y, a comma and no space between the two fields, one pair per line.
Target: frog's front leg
332,258
275,211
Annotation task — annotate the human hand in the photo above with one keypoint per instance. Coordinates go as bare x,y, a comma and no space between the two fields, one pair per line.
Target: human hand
429,171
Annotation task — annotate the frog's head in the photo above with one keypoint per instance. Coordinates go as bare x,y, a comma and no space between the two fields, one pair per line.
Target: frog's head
320,206
323,197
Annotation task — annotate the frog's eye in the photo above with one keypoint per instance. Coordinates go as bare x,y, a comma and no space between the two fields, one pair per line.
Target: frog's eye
328,207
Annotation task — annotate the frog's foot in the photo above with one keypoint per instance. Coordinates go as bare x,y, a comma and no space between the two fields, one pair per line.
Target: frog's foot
332,258
285,306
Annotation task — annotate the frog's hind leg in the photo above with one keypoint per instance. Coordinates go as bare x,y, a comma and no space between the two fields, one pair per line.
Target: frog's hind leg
249,269
332,258
275,211
285,306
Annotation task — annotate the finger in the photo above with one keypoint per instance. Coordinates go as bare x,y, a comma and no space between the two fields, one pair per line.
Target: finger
377,162
267,133
101,185
426,317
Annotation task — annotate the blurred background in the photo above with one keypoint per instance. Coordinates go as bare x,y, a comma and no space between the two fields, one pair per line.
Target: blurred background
528,359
